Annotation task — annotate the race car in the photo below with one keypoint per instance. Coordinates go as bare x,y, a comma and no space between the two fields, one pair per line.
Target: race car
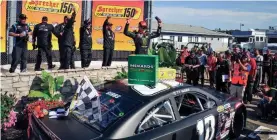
168,111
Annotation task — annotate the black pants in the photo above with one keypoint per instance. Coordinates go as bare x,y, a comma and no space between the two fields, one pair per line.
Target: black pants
211,76
86,56
249,89
268,108
266,70
68,57
192,77
61,51
107,57
201,74
257,80
48,52
220,85
19,55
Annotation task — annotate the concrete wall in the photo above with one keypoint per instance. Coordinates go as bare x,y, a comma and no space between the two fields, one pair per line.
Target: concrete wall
20,83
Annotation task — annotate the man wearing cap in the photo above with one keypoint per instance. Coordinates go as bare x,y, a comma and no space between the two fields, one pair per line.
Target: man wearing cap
58,33
68,41
251,78
85,44
191,67
43,35
141,37
21,31
108,42
267,68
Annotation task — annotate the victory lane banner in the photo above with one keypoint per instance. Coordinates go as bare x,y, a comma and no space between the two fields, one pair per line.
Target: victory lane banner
119,12
55,10
3,36
143,69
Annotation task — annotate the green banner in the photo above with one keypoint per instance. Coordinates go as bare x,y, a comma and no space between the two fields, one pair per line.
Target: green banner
143,69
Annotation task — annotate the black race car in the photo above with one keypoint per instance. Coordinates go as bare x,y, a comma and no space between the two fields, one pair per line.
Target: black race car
168,111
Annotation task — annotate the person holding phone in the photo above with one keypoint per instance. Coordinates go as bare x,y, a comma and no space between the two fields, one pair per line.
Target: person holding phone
21,31
141,37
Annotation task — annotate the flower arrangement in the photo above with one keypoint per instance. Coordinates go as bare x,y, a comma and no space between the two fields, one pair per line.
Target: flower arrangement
8,116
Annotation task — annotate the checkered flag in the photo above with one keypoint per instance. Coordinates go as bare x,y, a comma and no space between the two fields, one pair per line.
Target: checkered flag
88,102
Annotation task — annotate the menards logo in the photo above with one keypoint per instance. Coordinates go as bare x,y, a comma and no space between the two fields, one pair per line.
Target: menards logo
117,11
57,7
141,66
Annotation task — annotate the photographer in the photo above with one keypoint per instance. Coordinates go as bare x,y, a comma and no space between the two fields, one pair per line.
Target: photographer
240,71
21,31
43,34
268,103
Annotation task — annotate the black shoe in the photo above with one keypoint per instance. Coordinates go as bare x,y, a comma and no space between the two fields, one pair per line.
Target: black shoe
51,67
11,71
39,69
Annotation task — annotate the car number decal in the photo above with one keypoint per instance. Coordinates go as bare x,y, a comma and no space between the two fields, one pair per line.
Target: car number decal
207,125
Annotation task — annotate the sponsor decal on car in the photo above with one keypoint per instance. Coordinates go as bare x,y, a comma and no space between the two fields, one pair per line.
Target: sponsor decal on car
220,109
227,106
114,95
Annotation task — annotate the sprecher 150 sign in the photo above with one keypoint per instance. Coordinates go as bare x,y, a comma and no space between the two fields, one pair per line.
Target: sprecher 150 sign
143,69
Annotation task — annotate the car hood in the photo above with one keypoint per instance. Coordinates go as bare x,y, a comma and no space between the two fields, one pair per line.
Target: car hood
64,129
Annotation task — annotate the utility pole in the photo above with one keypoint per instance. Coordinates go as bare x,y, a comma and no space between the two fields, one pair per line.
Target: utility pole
241,24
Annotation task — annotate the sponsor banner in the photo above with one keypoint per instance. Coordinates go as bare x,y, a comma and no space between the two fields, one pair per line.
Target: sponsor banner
3,36
143,69
119,11
55,10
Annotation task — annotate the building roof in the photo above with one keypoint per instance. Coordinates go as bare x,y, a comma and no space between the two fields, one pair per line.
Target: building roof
188,29
238,33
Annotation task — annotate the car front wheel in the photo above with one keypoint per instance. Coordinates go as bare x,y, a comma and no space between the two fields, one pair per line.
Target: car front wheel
238,123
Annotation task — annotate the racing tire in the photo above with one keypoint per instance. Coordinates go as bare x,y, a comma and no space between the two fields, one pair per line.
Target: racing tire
237,124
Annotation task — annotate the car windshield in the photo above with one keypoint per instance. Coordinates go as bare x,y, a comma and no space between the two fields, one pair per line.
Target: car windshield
114,105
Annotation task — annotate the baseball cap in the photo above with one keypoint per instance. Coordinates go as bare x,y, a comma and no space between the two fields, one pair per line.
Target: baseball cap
22,16
44,18
65,17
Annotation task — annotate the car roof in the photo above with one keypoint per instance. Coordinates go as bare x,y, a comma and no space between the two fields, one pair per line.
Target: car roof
142,93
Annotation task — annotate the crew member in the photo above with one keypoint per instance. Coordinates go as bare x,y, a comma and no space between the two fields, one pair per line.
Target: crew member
209,49
21,31
108,42
211,63
228,57
268,103
274,71
239,77
68,41
191,67
236,55
140,37
251,78
59,29
267,68
43,35
85,44
222,74
259,63
203,61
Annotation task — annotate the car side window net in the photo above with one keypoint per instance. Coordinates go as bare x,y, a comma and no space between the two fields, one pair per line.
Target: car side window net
159,115
188,104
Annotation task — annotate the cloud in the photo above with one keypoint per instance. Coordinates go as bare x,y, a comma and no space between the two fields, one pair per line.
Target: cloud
216,16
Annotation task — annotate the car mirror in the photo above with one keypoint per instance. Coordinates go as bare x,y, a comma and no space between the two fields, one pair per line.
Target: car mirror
209,104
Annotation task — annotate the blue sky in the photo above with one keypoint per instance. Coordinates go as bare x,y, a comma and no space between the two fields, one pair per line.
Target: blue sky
218,14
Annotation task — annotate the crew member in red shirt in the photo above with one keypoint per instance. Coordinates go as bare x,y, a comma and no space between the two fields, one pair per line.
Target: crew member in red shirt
211,62
251,78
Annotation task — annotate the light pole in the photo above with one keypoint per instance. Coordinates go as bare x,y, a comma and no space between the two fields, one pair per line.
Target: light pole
241,24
